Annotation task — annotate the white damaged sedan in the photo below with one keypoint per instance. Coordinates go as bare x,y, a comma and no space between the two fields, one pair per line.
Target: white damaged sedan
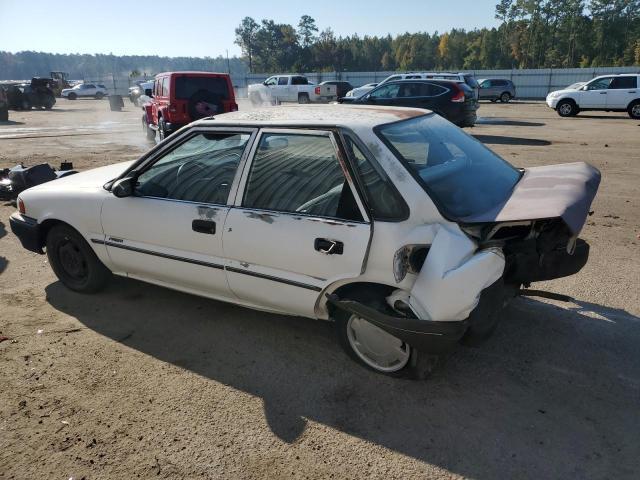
402,229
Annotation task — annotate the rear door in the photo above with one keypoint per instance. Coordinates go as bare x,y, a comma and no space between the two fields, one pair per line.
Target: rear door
622,91
297,224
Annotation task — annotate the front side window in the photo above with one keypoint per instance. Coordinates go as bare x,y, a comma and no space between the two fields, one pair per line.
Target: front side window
271,81
283,81
386,91
199,170
619,83
299,174
462,176
600,84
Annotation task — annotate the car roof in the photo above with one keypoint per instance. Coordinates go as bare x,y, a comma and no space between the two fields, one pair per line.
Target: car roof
331,115
192,72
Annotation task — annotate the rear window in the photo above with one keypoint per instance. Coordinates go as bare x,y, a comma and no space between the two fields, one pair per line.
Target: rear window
460,174
186,87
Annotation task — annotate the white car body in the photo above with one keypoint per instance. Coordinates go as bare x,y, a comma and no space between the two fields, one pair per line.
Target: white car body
298,262
85,90
291,88
606,92
359,91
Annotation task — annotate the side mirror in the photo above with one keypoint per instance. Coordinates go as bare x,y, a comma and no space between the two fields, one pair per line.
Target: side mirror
123,187
148,92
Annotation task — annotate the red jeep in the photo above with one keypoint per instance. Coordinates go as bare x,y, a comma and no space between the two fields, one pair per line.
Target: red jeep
179,98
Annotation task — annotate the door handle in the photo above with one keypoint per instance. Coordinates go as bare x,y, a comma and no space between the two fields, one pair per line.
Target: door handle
204,226
632,91
603,93
328,247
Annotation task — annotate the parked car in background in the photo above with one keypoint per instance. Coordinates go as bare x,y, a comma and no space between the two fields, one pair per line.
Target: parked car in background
139,90
466,78
495,89
359,91
179,98
450,99
342,87
84,90
616,93
4,105
290,88
407,233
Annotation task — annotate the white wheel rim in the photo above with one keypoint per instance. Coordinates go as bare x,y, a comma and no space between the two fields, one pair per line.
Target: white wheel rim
375,347
636,110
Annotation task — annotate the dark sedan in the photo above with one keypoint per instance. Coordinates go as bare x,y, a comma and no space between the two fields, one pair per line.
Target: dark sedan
341,87
452,100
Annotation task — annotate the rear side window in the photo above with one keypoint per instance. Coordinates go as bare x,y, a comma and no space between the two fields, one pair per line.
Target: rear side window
383,199
165,87
299,174
623,82
299,81
186,87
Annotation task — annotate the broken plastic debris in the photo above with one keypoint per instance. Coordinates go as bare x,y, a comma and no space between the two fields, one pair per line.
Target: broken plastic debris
40,331
65,422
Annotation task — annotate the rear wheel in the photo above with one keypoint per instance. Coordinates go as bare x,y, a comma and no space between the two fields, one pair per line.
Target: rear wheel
303,98
74,262
162,129
147,130
567,108
634,110
505,97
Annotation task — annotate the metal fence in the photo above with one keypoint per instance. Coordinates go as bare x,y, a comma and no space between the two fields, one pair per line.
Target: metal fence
531,83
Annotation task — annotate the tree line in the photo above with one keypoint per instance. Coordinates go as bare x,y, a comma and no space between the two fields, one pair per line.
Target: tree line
24,65
531,34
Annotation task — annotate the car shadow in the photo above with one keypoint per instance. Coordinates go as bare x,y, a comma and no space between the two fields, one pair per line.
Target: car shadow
550,388
3,229
500,140
621,117
11,122
510,123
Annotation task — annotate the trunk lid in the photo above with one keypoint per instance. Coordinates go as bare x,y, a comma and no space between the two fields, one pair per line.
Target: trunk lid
563,191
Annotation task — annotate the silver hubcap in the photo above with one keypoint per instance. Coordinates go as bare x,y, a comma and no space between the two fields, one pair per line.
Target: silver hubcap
565,109
375,347
505,98
636,110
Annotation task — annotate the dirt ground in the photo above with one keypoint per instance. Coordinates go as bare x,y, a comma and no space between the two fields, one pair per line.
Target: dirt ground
143,382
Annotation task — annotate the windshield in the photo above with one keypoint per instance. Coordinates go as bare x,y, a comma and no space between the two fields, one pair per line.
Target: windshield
460,174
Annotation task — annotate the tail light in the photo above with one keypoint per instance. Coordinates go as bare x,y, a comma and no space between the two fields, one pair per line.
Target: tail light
459,96
317,90
21,207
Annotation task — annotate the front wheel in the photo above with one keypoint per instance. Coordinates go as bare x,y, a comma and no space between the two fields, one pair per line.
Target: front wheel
74,262
99,96
72,96
634,110
567,108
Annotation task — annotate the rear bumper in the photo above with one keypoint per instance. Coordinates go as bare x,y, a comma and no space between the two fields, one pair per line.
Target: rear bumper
27,230
431,336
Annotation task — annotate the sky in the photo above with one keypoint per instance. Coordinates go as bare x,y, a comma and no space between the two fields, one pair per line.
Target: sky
206,28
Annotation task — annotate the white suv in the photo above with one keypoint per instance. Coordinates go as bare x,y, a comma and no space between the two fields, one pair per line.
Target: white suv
85,90
618,93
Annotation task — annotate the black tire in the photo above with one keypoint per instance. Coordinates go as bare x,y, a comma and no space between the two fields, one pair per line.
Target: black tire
99,96
26,105
505,97
72,96
49,103
567,108
634,109
303,98
148,131
74,262
4,114
254,97
494,100
162,129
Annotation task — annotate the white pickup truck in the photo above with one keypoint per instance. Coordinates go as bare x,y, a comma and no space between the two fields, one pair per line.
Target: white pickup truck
291,88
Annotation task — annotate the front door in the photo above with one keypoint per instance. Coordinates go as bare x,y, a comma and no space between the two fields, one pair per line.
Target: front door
595,94
622,91
170,231
297,224
385,95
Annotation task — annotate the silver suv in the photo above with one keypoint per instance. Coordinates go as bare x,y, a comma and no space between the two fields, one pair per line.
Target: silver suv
495,89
